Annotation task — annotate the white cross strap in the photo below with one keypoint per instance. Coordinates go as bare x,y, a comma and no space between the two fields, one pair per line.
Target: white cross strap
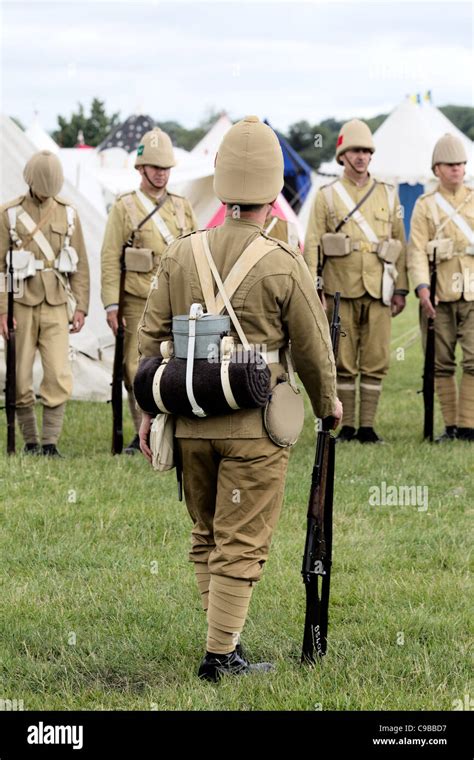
454,216
157,220
38,237
339,188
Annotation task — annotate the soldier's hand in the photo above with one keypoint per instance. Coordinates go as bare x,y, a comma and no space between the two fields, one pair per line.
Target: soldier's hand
4,325
324,303
144,434
112,320
398,304
77,321
337,414
426,305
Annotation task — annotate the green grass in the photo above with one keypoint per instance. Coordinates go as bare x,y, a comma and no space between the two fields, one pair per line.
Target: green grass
98,604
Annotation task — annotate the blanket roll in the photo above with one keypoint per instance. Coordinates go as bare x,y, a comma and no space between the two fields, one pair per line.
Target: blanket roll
143,384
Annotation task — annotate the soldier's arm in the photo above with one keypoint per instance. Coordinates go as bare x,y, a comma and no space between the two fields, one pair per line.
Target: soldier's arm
398,232
156,323
110,256
80,281
4,246
311,349
417,259
317,226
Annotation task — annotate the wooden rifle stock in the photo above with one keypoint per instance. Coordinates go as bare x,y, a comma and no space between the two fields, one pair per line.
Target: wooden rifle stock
429,365
318,546
117,374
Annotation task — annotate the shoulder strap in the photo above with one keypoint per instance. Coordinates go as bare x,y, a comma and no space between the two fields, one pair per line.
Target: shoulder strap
358,218
132,210
36,234
454,216
257,249
327,192
434,211
204,273
222,292
271,225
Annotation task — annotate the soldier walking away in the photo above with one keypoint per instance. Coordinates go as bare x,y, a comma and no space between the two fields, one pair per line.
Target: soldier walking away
51,281
234,472
443,225
145,221
357,225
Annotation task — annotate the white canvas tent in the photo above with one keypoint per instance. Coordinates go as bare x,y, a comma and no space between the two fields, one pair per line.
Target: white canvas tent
90,368
39,137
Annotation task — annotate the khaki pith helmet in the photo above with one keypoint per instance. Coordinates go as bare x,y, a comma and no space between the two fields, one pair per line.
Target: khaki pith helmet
155,149
249,164
354,134
449,150
43,173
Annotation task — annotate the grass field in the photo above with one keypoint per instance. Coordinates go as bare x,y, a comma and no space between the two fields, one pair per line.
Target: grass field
98,604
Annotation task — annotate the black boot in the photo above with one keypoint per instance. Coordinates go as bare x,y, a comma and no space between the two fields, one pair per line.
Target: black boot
465,434
32,448
368,435
133,446
346,433
50,450
214,666
450,434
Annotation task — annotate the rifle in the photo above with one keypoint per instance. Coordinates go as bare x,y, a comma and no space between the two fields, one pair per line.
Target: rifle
428,370
10,386
318,545
117,373
319,273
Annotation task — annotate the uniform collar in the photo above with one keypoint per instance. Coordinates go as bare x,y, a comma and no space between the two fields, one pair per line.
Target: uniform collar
456,197
45,206
231,222
351,182
154,198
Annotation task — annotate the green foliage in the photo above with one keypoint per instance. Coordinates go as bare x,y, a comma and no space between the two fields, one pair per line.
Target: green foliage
180,136
94,127
100,609
462,117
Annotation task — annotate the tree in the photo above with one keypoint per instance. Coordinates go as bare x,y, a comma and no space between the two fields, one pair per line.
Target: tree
95,127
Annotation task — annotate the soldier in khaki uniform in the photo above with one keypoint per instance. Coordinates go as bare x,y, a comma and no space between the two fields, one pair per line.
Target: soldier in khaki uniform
234,474
444,220
173,218
44,233
363,258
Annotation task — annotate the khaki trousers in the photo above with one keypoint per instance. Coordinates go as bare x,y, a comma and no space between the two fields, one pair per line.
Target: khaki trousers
454,323
234,492
133,308
365,347
46,328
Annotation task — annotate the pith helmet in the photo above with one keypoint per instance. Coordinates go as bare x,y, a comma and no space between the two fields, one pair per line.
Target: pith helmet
249,164
354,134
449,150
155,149
43,173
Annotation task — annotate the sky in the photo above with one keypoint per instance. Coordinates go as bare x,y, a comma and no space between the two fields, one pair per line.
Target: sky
285,61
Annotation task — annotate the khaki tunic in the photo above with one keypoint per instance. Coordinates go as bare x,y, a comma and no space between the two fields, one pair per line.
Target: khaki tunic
45,286
360,271
118,231
276,302
178,216
454,281
40,305
459,269
282,230
233,487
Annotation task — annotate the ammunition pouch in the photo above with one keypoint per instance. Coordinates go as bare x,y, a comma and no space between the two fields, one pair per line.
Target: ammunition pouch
336,244
389,277
389,250
444,249
25,264
66,261
138,259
